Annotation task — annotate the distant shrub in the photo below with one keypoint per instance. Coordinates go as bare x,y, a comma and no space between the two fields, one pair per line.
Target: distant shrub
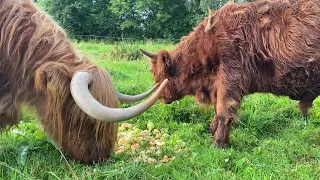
126,51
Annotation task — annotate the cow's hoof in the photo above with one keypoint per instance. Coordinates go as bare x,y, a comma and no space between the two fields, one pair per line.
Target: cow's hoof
220,144
213,127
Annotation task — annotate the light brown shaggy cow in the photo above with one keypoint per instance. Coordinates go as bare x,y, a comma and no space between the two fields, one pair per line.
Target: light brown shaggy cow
270,46
40,67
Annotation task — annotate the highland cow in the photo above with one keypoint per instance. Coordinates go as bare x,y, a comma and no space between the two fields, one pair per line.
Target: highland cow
269,46
76,101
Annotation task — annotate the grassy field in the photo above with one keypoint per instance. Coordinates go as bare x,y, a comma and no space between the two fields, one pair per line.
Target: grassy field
272,141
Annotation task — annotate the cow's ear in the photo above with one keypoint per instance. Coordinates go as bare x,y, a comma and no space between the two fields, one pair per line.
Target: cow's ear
210,22
51,77
167,61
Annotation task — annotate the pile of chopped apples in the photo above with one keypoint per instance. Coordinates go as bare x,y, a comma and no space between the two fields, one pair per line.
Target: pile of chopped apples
148,145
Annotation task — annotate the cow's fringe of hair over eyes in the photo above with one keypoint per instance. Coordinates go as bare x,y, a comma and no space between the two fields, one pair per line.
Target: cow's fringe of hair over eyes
37,62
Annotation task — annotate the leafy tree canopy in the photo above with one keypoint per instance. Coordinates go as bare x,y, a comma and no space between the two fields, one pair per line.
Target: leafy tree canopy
139,19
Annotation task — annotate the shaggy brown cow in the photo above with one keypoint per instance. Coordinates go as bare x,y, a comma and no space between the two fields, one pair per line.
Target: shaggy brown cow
39,67
270,46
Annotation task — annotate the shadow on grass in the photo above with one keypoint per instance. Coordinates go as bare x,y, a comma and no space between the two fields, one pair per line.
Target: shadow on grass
118,75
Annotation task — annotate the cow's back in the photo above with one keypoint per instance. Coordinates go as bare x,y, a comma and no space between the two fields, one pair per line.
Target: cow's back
29,39
16,31
288,35
274,41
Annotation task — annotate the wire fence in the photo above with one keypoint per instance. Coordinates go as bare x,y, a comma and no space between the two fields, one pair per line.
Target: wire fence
115,39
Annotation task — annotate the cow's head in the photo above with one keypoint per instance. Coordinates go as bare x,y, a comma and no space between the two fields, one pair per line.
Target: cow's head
189,65
164,67
79,108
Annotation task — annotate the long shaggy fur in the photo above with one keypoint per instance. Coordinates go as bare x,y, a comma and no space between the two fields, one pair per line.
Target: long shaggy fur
270,46
37,62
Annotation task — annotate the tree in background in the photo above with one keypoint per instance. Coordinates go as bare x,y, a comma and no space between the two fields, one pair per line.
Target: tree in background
203,5
153,18
213,4
83,17
138,19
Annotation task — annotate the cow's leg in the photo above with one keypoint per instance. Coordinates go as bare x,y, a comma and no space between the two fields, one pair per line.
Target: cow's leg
305,104
226,102
9,116
10,112
221,124
304,107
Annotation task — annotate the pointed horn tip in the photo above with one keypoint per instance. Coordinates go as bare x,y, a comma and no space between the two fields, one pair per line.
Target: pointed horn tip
153,56
164,83
143,51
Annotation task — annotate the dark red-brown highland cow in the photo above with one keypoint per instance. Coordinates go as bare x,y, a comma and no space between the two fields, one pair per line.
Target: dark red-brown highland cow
76,100
269,46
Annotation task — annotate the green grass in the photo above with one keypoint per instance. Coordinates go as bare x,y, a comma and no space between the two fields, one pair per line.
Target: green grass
272,141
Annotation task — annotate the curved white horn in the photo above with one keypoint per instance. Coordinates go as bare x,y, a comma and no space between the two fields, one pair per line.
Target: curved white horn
135,98
84,99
